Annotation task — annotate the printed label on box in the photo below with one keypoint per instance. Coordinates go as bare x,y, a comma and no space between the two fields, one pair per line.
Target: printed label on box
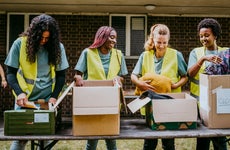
204,97
223,101
41,117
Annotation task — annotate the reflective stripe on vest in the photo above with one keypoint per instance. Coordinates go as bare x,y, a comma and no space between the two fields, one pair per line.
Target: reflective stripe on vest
95,68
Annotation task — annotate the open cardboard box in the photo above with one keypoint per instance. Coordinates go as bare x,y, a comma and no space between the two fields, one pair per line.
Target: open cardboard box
161,114
96,108
41,119
215,100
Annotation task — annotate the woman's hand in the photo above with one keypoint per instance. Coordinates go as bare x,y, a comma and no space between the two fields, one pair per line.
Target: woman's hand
22,99
118,80
145,85
4,83
196,67
52,100
78,80
180,83
214,59
174,85
142,85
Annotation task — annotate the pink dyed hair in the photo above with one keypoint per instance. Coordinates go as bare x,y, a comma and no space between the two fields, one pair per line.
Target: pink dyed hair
101,36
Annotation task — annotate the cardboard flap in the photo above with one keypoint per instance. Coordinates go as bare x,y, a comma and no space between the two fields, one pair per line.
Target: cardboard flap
97,83
96,100
138,103
90,97
62,96
179,110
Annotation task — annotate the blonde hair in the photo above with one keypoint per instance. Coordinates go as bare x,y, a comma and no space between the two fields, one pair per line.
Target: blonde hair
160,29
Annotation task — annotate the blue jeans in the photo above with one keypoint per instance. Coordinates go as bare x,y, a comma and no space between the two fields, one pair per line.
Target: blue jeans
151,144
18,145
21,144
219,143
110,144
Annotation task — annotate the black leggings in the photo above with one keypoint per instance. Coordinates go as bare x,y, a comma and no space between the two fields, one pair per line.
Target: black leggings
151,144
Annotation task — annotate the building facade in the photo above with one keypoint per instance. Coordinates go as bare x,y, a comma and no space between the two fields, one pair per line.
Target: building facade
78,32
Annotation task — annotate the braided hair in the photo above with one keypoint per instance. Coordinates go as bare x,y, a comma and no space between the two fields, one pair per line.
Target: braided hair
101,36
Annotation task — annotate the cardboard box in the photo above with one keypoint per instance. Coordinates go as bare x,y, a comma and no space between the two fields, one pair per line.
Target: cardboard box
35,122
29,122
215,100
169,114
96,109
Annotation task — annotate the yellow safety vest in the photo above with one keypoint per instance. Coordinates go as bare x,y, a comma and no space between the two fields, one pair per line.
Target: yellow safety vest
194,82
169,65
95,68
27,72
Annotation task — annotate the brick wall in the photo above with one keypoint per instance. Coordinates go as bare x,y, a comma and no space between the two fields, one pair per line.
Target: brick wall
78,32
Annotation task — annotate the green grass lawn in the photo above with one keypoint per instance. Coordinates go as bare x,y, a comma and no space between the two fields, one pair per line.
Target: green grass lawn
180,144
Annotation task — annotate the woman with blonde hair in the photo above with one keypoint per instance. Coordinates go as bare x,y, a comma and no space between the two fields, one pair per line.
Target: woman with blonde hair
159,59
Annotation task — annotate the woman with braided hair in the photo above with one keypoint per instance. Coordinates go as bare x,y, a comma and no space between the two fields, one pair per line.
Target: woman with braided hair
101,61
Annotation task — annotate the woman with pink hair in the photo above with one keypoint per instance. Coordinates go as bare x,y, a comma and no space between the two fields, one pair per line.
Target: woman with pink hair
101,61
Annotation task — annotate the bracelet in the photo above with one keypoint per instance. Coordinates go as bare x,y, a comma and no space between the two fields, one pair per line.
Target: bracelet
198,64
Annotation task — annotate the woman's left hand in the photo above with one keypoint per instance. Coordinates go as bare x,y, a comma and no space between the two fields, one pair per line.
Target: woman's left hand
174,86
52,100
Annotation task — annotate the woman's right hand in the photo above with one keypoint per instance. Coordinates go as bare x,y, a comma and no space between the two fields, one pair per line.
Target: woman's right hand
4,83
213,58
145,85
22,99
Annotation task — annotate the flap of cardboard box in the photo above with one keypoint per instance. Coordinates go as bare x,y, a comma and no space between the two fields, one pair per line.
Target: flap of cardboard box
180,109
96,97
90,100
98,83
136,104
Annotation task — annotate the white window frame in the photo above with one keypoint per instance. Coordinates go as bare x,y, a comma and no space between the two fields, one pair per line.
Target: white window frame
128,29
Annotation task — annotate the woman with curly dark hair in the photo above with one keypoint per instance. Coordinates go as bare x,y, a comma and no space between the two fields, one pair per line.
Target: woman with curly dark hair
209,31
36,65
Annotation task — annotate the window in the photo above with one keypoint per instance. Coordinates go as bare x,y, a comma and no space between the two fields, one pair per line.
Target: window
16,24
131,30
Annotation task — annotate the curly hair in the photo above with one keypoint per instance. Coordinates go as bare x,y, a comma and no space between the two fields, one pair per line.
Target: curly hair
34,32
101,36
212,24
160,29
